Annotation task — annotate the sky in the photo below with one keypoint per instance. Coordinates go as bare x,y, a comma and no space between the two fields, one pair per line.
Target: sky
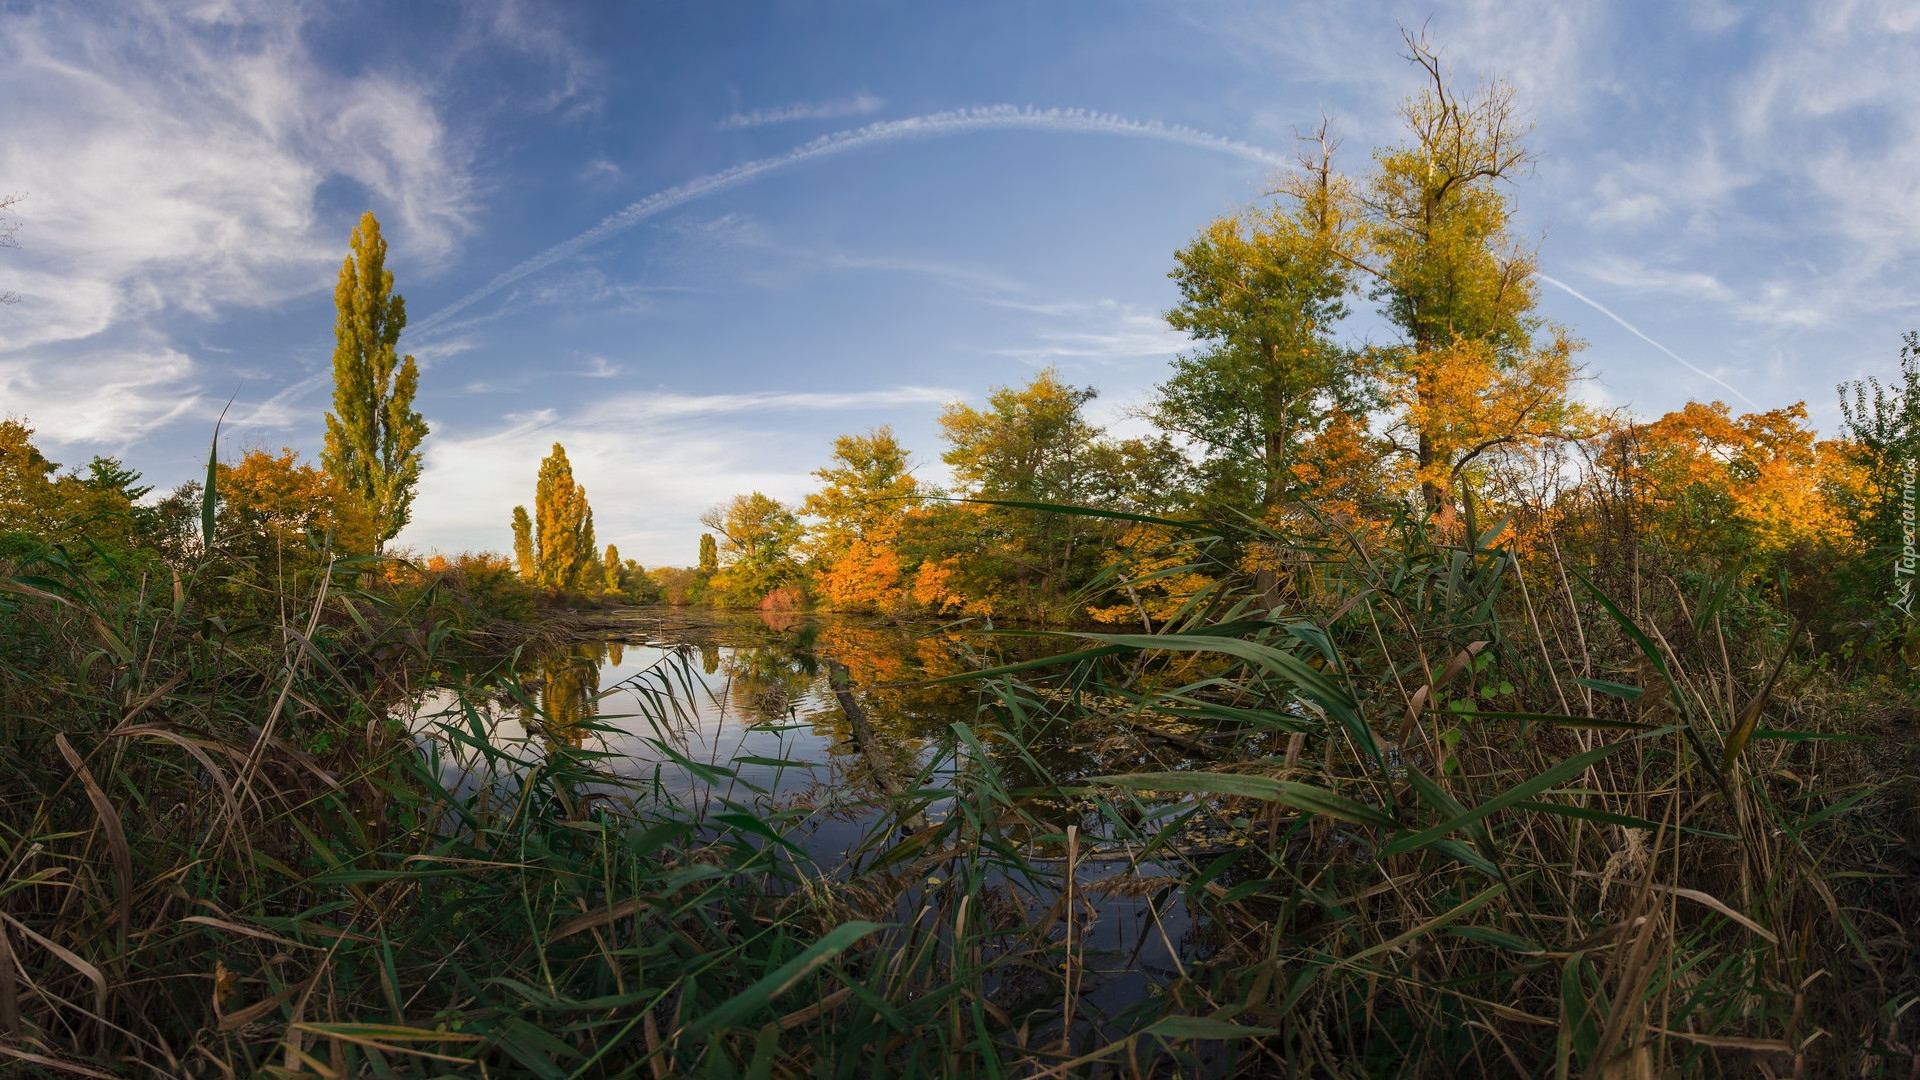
695,242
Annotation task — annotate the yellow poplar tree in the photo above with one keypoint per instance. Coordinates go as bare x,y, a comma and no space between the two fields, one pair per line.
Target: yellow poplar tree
557,542
373,434
612,564
523,545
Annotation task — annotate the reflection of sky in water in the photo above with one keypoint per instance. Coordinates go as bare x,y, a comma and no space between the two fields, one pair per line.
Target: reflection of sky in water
759,707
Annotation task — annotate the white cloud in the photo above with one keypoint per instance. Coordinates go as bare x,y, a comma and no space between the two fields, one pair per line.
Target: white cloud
651,463
1099,332
862,104
115,398
171,159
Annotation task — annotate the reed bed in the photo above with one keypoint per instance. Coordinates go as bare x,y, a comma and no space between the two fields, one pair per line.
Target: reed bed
1427,808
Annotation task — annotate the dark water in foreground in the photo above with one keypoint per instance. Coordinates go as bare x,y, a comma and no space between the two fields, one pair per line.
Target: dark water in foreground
716,711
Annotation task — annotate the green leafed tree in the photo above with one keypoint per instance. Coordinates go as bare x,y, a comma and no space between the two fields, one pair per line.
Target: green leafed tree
759,535
709,555
373,433
1260,292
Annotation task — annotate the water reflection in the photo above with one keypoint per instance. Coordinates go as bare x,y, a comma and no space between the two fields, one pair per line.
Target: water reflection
568,683
740,714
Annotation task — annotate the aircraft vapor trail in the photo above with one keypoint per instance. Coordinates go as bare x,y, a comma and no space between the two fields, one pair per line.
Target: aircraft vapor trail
1635,331
959,121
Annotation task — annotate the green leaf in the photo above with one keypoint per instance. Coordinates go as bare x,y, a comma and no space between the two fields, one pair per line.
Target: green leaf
1315,800
1612,689
1519,793
1495,937
1202,1027
1608,817
209,499
1562,721
756,997
1807,736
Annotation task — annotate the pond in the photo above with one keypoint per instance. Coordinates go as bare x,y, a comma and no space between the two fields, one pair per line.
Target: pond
720,712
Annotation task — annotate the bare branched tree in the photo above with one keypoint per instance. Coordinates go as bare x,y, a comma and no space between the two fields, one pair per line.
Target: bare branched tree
9,236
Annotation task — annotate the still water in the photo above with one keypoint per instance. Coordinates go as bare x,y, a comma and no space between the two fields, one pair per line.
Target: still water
718,712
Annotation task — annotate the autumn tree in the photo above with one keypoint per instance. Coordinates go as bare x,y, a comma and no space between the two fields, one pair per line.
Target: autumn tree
1260,291
610,564
557,541
1477,370
373,434
1752,487
867,490
1030,444
757,548
36,499
709,555
275,507
523,546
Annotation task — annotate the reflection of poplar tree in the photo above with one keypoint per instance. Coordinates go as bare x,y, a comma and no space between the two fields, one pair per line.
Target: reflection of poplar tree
572,683
373,434
559,538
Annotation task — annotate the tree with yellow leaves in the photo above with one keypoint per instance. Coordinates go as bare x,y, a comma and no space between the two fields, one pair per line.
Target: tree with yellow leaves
1477,371
555,546
373,433
867,490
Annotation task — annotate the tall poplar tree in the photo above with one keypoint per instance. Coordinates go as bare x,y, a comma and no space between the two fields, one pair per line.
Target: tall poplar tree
523,546
563,523
554,546
611,563
373,434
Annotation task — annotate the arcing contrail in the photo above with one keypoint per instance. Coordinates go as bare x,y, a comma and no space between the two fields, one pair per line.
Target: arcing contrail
1597,306
943,123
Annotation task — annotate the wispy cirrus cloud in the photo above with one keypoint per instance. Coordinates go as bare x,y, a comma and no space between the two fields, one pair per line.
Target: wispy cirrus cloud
861,104
932,125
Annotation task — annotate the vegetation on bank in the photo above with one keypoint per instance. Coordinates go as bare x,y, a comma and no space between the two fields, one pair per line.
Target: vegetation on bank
1475,732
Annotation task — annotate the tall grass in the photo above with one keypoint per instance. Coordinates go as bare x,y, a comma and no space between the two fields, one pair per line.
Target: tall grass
1431,808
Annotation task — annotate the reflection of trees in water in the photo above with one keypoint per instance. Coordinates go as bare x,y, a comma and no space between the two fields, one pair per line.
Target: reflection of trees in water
878,660
570,681
710,658
766,681
615,653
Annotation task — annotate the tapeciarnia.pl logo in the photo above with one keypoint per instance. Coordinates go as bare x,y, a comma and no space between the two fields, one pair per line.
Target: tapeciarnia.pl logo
1903,566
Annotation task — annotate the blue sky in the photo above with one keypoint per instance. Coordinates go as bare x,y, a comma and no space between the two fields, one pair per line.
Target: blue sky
842,215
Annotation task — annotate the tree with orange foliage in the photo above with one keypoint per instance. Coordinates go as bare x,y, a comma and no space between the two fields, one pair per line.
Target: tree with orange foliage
867,489
1753,486
275,506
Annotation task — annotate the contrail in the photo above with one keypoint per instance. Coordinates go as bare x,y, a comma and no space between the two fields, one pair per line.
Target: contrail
956,122
1597,306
